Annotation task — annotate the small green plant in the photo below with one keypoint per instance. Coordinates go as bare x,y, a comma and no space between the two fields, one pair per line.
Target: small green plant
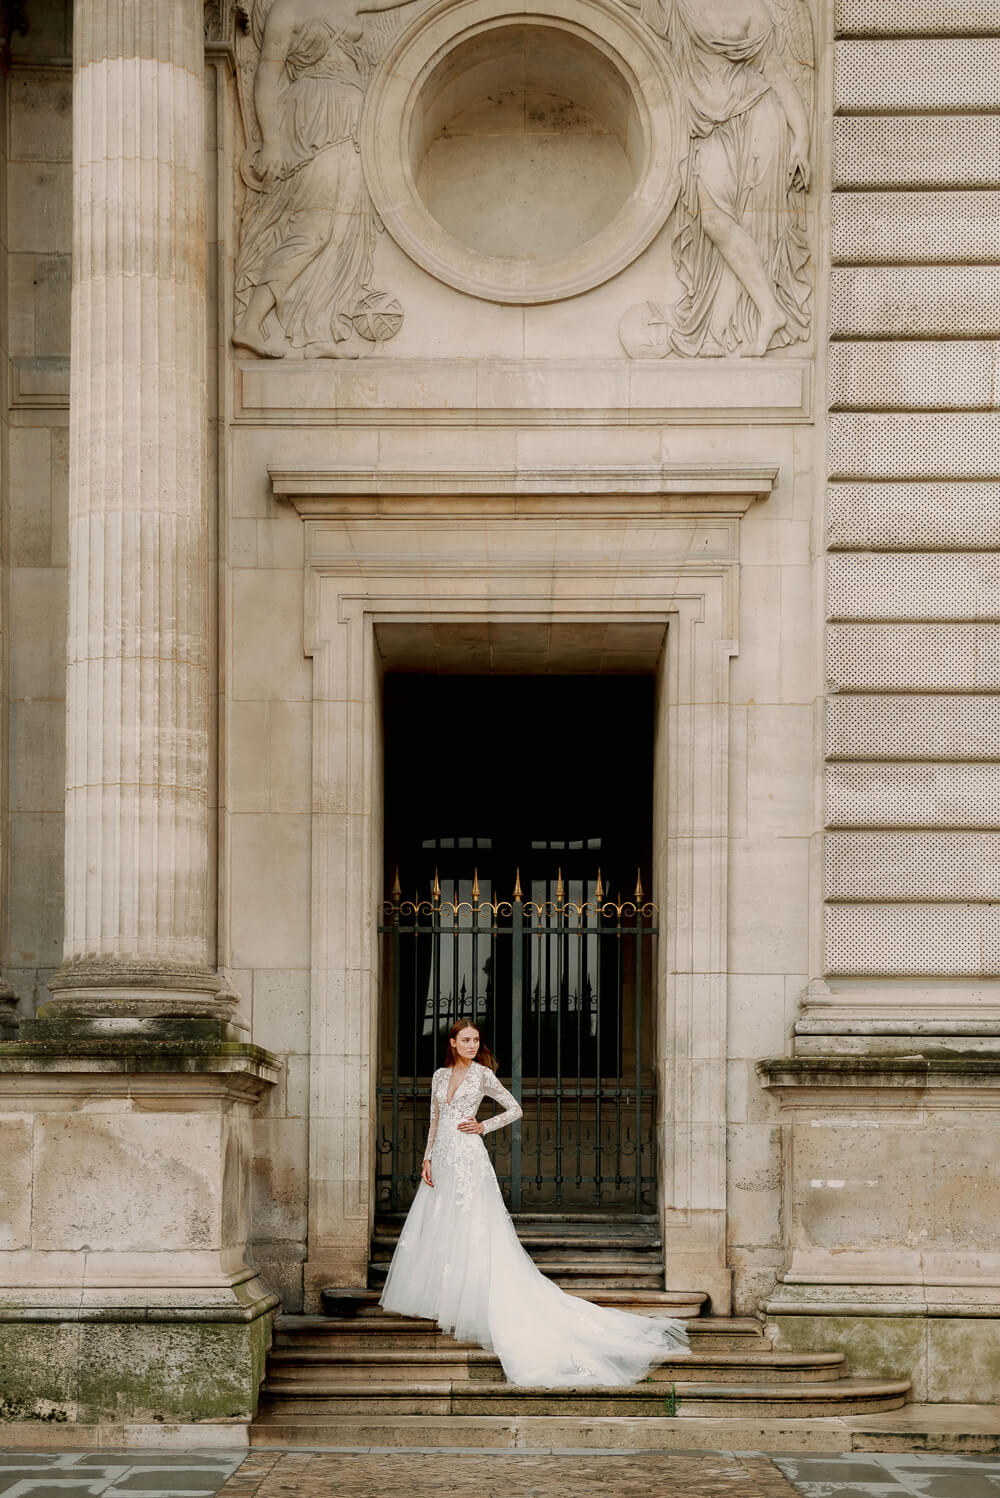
671,1402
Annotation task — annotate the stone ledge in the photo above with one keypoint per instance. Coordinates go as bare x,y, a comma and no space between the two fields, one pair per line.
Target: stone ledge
136,1054
925,1068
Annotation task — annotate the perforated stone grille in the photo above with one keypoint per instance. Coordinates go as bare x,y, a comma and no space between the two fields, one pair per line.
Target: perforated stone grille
933,941
909,76
916,17
952,445
907,585
910,227
913,795
913,866
924,516
912,727
916,151
914,376
915,301
914,657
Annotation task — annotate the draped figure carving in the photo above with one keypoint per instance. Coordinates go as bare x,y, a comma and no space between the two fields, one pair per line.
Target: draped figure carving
307,237
739,240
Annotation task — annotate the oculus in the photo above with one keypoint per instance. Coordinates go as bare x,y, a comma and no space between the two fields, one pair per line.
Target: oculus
523,157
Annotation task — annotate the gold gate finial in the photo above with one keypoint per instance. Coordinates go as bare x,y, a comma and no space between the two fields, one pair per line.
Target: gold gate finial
397,888
518,892
475,886
599,890
638,887
560,893
436,891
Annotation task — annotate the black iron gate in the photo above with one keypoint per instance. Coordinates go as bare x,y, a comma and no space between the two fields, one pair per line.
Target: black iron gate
561,990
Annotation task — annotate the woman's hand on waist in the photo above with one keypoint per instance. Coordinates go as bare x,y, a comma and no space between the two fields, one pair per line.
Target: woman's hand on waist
471,1126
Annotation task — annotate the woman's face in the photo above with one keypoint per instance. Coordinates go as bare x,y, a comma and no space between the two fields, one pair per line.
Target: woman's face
466,1044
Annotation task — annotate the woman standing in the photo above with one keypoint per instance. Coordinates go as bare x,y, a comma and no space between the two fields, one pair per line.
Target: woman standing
459,1262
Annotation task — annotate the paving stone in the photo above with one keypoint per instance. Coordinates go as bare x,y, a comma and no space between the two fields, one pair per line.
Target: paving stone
214,1459
832,1469
954,1484
509,1474
849,1490
186,1479
53,1487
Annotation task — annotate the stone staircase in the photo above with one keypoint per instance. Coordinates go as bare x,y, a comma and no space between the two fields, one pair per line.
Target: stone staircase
359,1376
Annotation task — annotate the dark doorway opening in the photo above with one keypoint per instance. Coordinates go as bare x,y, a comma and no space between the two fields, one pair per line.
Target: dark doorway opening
543,785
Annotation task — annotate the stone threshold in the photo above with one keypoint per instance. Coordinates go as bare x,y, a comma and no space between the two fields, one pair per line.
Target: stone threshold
954,1429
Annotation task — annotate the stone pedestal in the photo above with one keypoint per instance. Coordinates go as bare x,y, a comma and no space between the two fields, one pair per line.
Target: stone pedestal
891,1202
126,1297
138,816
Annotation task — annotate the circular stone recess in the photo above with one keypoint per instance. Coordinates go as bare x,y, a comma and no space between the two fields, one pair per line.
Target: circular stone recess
523,157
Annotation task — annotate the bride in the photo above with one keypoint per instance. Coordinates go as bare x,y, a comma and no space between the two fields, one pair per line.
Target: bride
459,1262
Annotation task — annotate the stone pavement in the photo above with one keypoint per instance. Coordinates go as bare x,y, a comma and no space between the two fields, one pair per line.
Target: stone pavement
114,1474
418,1473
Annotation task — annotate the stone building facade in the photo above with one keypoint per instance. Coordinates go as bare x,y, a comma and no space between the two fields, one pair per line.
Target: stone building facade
455,340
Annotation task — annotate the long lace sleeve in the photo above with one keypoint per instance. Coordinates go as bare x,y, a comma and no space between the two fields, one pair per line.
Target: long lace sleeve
493,1088
432,1132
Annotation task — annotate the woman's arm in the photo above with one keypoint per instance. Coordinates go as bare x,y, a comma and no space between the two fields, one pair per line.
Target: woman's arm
512,1108
425,1169
432,1131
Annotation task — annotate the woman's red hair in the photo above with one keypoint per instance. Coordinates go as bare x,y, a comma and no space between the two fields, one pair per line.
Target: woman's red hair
484,1055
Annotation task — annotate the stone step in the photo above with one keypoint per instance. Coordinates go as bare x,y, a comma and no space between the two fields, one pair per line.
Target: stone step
343,1303
550,1243
373,1327
604,1274
319,1403
337,1364
914,1427
644,1222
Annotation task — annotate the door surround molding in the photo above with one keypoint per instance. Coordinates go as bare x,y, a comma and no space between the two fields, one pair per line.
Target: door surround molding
638,546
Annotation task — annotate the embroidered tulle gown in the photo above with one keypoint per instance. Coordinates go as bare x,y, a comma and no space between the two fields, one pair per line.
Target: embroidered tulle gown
459,1263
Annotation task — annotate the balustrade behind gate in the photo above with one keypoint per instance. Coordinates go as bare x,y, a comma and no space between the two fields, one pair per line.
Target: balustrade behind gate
562,992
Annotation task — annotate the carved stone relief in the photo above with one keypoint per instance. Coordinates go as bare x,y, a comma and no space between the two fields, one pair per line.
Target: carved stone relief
739,244
716,136
307,232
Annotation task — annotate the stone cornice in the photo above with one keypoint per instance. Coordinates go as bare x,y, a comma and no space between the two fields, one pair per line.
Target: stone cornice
652,489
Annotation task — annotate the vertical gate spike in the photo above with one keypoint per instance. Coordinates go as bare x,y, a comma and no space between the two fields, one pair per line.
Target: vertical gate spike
599,890
475,886
560,893
638,886
436,892
397,892
518,893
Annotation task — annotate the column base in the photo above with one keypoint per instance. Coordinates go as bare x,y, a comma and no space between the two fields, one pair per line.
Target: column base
898,1018
140,1367
126,1294
124,996
891,1202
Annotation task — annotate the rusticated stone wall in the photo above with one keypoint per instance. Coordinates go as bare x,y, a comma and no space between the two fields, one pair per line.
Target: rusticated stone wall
913,654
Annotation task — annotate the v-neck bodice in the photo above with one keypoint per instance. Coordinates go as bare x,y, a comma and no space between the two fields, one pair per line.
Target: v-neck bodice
478,1082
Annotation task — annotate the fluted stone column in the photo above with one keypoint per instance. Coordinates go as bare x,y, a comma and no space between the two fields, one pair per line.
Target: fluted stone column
138,840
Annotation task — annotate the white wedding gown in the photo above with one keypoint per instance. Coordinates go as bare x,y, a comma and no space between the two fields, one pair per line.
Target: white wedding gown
459,1263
